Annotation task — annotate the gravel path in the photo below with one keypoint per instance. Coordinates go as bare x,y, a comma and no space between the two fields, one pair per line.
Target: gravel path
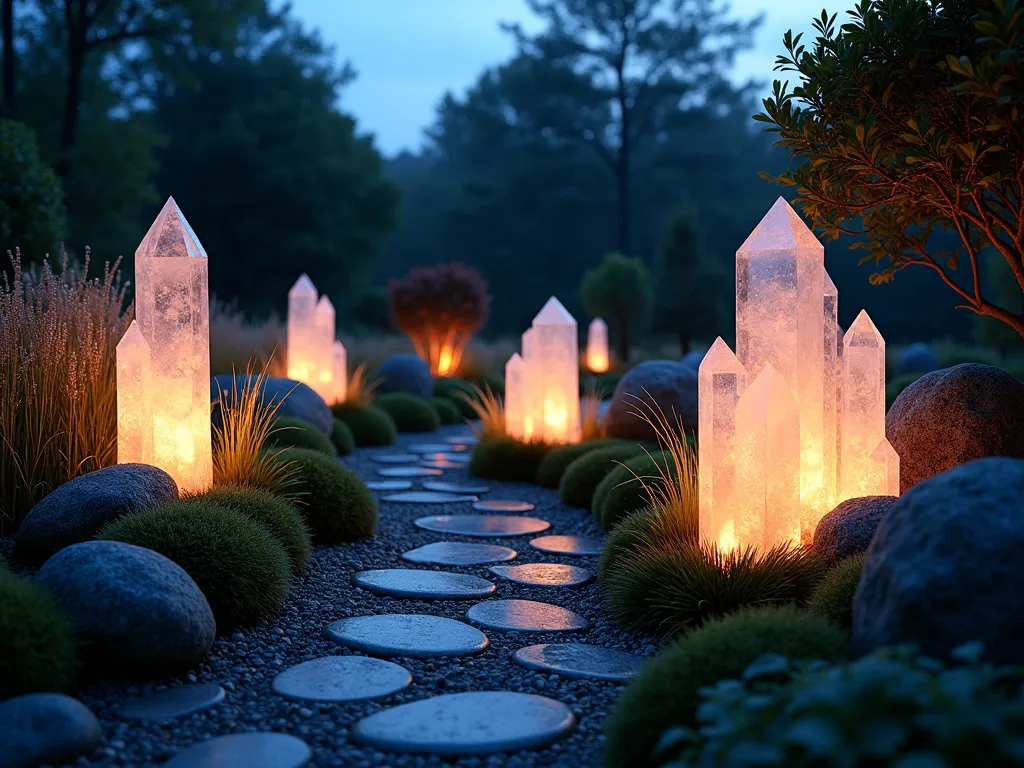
246,662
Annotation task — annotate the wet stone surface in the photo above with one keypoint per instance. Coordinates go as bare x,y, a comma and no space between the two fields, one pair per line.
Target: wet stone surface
525,616
580,661
428,497
172,703
483,525
568,545
503,505
544,574
417,636
341,678
245,750
459,553
423,585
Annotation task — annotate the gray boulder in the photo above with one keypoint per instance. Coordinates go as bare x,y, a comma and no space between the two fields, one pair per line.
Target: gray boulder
45,728
297,400
847,529
955,415
944,566
77,510
405,373
137,610
917,358
693,359
663,384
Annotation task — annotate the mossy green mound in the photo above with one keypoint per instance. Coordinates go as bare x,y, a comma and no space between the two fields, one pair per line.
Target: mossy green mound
505,458
833,598
446,409
369,425
336,505
551,469
296,433
620,492
582,476
341,437
409,412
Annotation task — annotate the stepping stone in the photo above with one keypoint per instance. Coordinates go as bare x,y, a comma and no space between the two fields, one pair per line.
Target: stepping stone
569,545
463,440
427,497
176,702
544,574
341,678
423,585
475,723
409,472
443,487
525,616
459,553
442,465
389,485
484,526
578,661
417,636
503,505
429,448
262,749
395,458
458,458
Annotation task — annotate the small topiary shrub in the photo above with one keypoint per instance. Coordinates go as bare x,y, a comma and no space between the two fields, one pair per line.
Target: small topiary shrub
337,505
282,520
450,389
289,432
551,469
240,567
833,598
581,477
409,412
341,437
620,493
505,458
667,691
446,409
370,426
37,646
631,532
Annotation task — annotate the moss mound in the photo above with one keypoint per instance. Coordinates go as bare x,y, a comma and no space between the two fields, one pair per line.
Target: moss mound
37,646
341,437
450,389
446,409
296,433
581,477
240,567
620,493
629,534
666,692
551,469
409,412
281,520
833,599
505,458
369,424
336,504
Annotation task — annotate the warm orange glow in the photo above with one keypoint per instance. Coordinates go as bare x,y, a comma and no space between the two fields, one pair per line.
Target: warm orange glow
444,361
597,346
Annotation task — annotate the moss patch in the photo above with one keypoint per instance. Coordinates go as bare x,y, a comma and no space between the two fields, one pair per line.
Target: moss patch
409,412
370,426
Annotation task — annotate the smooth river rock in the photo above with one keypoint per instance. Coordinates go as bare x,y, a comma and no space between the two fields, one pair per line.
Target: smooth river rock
175,702
341,678
576,661
418,636
459,553
525,616
423,585
483,526
260,749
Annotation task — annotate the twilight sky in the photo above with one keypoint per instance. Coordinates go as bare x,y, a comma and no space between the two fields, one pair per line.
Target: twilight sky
409,52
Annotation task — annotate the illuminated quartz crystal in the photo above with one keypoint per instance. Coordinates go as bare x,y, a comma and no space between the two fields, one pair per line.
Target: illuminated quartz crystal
340,358
597,346
172,307
767,489
134,398
863,404
554,374
840,333
302,334
885,470
830,423
514,398
323,323
721,380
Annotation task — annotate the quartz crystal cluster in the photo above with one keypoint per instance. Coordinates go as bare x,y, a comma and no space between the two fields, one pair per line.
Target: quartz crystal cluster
315,356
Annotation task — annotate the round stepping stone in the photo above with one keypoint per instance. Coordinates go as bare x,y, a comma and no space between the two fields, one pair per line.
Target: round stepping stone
484,526
389,485
525,616
442,465
429,448
458,458
544,574
578,661
427,497
176,702
568,545
459,553
261,749
503,505
417,636
423,585
396,458
409,472
443,487
463,440
341,678
475,723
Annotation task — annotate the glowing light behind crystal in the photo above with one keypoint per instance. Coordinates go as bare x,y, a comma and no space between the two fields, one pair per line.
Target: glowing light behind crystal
323,355
302,335
597,346
863,404
134,398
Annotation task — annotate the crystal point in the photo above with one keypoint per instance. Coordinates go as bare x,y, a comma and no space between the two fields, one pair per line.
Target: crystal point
134,398
554,313
863,419
597,346
170,236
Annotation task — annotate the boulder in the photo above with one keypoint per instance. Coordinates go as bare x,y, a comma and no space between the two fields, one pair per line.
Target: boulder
297,400
45,729
405,373
666,384
944,567
955,415
917,358
76,511
847,529
137,610
693,359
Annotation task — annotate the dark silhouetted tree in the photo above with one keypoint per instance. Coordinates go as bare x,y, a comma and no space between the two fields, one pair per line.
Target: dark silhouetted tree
619,290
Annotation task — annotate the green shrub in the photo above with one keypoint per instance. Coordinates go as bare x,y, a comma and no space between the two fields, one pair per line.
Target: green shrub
37,647
891,708
667,691
897,384
446,409
341,437
409,412
32,215
240,567
451,388
581,477
630,532
620,493
296,433
280,519
505,458
551,469
833,598
337,505
370,426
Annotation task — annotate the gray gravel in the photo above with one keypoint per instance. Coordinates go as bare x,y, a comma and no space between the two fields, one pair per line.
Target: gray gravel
246,662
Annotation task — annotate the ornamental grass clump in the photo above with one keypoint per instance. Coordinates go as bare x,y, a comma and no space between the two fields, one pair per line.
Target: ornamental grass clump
488,409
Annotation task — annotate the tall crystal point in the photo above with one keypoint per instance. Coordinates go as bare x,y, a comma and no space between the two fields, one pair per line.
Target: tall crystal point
597,346
302,337
554,373
172,307
830,424
863,419
340,358
515,398
323,329
885,470
134,398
